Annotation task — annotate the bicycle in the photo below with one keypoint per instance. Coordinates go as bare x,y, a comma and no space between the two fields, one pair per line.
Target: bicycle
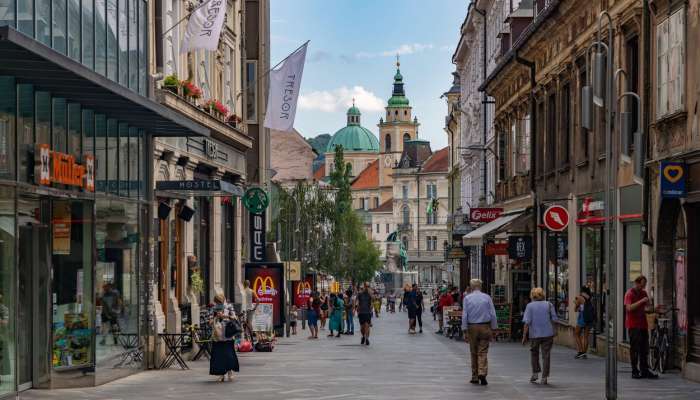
660,340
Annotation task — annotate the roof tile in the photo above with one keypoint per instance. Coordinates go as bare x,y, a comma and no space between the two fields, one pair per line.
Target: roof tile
368,178
438,162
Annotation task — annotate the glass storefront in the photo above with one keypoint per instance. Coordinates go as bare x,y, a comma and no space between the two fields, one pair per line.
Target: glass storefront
78,28
116,273
71,285
592,274
558,273
7,295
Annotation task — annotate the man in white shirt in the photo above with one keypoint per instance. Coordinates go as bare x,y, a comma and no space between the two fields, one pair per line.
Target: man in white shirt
478,323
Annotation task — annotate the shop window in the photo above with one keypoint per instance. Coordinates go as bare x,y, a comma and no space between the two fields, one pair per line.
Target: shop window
116,277
88,34
8,109
72,250
58,23
558,274
592,274
25,131
133,46
25,13
101,144
74,29
251,68
143,48
632,235
101,34
133,162
88,117
43,21
7,278
58,125
75,145
199,270
123,42
123,159
112,161
43,117
112,47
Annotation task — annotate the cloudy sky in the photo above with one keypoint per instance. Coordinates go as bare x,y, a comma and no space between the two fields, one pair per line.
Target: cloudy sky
352,54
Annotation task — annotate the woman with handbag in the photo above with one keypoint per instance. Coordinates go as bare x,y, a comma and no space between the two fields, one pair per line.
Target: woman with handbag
225,326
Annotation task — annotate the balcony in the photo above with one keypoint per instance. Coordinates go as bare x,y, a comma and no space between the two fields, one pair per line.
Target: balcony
513,187
221,128
404,227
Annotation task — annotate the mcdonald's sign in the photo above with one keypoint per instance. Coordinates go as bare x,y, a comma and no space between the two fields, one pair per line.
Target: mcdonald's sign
264,287
267,283
302,291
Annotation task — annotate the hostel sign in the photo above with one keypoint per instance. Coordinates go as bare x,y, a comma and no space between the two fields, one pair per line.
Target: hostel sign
55,167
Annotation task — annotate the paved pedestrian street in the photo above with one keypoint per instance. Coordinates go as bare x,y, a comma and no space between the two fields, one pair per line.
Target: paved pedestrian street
395,366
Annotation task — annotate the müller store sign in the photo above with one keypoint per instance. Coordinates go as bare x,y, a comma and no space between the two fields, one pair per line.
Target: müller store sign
55,167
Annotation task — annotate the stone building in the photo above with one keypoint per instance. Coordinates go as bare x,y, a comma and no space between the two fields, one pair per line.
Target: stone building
288,170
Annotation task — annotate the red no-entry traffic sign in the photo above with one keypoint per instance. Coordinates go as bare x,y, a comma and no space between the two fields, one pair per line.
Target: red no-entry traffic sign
556,218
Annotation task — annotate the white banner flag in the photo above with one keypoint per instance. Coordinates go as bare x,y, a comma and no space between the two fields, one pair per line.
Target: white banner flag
284,92
204,26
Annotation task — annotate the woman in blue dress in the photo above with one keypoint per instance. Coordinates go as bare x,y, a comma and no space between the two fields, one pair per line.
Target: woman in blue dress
336,320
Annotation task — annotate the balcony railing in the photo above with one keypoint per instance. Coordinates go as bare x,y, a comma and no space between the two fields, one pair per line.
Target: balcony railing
405,227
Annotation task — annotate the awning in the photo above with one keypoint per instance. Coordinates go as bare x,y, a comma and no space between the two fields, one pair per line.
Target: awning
476,237
198,188
30,61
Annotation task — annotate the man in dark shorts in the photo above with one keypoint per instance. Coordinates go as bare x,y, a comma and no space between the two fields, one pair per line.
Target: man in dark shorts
364,312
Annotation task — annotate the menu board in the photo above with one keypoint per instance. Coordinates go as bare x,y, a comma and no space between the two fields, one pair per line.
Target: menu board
504,319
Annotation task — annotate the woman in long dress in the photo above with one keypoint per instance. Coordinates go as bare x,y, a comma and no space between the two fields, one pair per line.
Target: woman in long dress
223,361
336,320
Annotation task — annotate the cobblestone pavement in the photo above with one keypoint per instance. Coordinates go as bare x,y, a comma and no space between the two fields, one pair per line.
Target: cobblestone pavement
395,366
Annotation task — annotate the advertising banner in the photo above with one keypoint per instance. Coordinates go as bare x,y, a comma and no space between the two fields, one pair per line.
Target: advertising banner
302,291
672,178
267,283
520,248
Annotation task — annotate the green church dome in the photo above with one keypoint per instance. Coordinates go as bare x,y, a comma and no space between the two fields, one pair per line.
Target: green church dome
354,137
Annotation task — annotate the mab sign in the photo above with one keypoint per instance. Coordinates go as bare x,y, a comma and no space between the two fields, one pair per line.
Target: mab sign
484,214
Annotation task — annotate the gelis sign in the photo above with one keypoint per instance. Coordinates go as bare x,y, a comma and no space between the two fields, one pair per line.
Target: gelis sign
481,214
672,178
55,167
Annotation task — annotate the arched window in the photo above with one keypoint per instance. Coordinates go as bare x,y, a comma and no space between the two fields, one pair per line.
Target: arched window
406,214
387,143
350,169
404,240
396,112
406,137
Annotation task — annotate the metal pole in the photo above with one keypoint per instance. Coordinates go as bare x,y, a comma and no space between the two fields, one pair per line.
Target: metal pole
610,211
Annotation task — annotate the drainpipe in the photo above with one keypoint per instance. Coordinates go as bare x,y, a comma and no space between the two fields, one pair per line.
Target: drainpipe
533,147
646,97
484,102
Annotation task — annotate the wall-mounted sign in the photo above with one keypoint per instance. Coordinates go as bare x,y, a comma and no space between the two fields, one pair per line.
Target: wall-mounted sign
520,248
257,237
672,177
255,200
55,167
495,249
302,291
556,218
484,214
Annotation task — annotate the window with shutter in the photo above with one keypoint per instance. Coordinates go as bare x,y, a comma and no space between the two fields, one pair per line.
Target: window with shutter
661,68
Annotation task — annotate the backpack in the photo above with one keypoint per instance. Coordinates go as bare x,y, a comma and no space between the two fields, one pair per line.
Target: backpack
588,312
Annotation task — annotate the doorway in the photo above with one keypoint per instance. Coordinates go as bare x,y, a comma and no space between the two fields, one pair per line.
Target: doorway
33,319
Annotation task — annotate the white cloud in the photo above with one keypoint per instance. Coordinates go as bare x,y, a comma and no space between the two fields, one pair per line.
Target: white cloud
340,99
406,48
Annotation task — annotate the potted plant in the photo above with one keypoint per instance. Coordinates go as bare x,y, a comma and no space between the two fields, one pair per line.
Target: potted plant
171,83
233,120
216,108
191,91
